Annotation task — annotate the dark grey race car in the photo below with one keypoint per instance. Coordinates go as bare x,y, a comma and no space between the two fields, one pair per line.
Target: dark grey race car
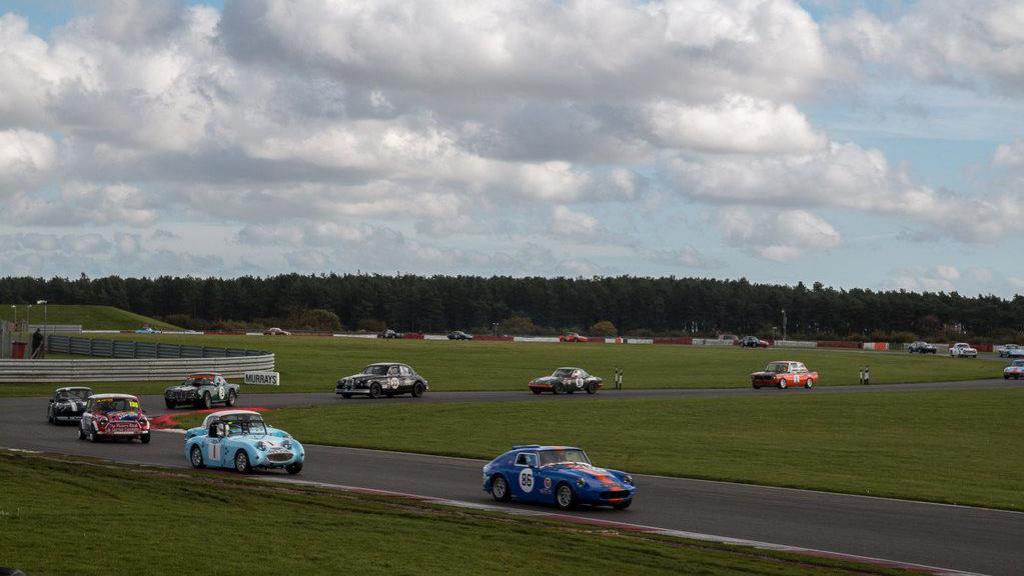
67,404
383,379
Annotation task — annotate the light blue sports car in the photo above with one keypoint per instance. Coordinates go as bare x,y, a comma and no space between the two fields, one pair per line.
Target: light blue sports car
240,439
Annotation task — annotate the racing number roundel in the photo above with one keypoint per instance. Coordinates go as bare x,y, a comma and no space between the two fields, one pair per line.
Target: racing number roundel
526,480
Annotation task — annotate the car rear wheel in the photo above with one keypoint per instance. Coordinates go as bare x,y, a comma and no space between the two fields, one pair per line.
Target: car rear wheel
590,388
375,390
756,387
346,396
622,505
417,389
242,462
294,468
195,457
170,405
565,497
207,401
232,398
499,488
809,383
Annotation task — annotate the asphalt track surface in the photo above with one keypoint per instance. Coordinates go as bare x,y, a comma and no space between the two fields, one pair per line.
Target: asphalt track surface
951,537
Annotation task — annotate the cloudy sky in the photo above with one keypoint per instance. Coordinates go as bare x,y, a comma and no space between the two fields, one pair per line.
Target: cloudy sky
874,144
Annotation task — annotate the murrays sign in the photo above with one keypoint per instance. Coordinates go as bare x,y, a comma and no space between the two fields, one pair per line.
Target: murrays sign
262,378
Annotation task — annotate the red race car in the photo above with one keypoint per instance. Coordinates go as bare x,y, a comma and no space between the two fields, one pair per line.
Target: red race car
783,374
113,416
573,337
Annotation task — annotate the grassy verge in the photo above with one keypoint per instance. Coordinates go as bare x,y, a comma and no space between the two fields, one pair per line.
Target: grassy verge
957,447
309,364
89,317
57,516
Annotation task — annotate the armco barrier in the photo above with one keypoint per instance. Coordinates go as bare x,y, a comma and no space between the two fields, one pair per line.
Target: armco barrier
132,361
128,370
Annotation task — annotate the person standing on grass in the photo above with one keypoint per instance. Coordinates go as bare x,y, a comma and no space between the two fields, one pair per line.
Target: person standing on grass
867,375
37,343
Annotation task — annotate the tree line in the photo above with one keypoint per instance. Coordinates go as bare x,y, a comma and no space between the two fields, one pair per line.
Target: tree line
632,305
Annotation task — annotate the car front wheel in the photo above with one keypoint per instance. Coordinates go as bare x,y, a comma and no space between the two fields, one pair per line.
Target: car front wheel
170,405
417,389
499,489
346,396
375,390
622,505
144,438
565,497
242,462
232,398
207,401
195,457
809,383
294,468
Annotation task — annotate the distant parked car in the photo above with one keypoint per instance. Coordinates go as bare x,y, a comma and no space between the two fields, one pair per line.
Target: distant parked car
1015,370
1010,351
962,350
783,374
68,404
730,337
566,380
147,330
240,439
459,335
113,416
921,347
383,379
753,342
557,475
202,391
572,337
275,331
389,334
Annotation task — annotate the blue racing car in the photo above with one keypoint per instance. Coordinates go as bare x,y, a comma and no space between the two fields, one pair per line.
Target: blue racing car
557,475
240,439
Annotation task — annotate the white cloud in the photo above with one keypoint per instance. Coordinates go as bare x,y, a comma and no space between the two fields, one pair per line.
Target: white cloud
26,158
566,222
1009,155
974,43
736,124
939,278
781,236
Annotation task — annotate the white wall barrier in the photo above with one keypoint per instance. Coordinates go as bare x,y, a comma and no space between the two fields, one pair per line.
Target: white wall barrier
354,335
535,339
795,344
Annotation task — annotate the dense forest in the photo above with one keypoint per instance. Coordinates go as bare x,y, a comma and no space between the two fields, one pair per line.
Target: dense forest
632,305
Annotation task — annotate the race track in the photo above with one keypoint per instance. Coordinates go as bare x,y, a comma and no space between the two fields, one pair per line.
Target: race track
952,537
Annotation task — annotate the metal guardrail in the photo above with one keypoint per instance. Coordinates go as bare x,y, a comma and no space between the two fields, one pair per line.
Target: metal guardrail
132,361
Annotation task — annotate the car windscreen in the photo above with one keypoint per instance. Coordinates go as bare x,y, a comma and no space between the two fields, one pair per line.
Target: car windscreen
778,367
246,426
376,370
115,404
563,373
565,455
1018,363
76,393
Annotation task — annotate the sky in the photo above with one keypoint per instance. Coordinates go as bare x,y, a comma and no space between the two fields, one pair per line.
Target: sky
860,144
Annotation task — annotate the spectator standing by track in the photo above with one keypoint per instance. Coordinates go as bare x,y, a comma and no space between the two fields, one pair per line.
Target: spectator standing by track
37,344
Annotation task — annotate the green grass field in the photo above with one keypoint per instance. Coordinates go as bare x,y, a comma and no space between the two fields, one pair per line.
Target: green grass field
958,447
89,317
73,517
311,364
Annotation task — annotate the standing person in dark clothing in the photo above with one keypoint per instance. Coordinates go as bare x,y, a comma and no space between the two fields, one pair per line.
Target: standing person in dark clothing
37,344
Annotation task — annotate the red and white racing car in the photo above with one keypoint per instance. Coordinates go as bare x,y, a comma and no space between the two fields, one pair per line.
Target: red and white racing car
783,374
113,416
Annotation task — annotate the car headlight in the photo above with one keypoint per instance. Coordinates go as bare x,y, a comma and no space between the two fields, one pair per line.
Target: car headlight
287,444
581,482
628,479
261,445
